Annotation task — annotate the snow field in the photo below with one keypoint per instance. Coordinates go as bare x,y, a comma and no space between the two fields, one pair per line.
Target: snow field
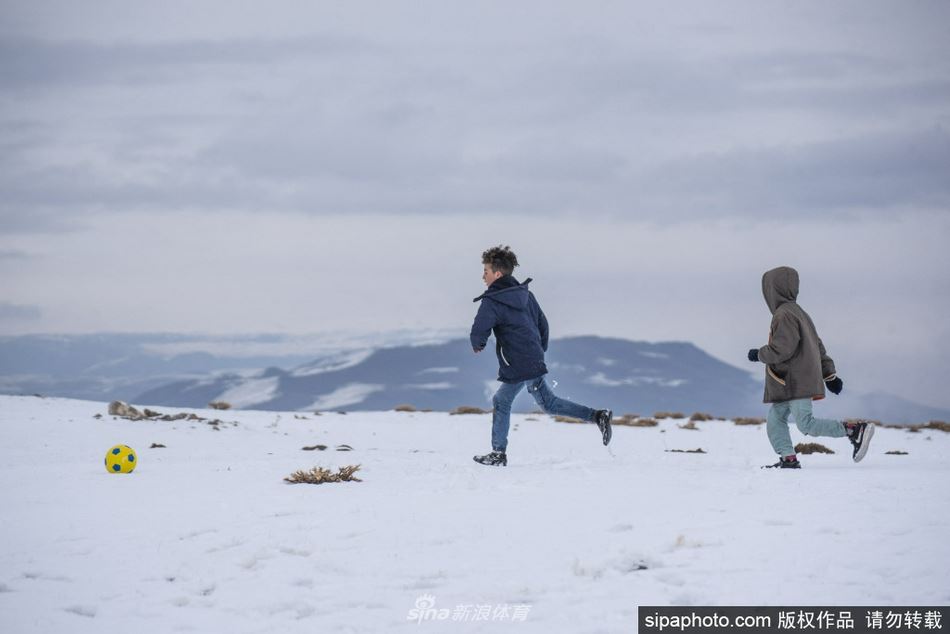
205,536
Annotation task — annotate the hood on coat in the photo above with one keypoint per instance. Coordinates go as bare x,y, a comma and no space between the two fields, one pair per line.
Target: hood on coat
508,291
780,286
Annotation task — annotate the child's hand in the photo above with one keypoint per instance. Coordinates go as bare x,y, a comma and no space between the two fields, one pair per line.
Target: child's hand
477,350
835,385
754,355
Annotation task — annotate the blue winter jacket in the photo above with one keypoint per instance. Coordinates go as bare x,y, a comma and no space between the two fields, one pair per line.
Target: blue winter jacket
510,310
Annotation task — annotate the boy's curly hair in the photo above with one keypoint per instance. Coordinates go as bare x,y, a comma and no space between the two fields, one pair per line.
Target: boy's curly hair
501,259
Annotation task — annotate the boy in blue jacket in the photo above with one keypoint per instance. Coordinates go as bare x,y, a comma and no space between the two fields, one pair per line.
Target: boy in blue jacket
510,310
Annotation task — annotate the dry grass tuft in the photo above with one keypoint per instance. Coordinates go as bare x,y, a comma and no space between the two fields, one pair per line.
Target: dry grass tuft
319,475
124,410
934,424
895,452
698,450
702,416
811,447
405,407
466,409
748,421
691,425
662,415
219,405
567,419
634,420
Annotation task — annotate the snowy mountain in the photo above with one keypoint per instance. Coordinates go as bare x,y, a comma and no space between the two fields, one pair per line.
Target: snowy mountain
432,370
122,366
572,536
628,376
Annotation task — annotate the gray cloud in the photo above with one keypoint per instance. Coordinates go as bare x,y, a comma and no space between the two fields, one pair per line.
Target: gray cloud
19,313
548,121
32,63
339,172
881,172
13,255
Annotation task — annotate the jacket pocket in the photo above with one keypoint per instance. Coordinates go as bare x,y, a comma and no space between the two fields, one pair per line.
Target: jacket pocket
501,352
774,376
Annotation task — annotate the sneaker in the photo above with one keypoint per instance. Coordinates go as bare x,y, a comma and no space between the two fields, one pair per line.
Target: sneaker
785,463
603,417
860,435
493,459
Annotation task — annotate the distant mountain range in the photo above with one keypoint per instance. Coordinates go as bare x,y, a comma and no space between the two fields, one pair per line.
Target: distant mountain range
275,373
627,376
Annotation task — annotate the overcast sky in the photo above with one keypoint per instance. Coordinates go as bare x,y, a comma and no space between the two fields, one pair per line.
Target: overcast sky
301,167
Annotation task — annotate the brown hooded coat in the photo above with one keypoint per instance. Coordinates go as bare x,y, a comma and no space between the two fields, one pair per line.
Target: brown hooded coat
797,365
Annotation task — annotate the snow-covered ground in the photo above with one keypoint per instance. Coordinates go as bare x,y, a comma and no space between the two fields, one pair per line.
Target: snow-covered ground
206,536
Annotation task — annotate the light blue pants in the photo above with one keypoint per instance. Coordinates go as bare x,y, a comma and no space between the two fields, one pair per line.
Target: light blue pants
543,395
777,425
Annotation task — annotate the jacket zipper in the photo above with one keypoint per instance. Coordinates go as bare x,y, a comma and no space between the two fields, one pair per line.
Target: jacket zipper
502,351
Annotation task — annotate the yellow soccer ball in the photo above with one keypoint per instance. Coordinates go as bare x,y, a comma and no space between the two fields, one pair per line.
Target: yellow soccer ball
120,459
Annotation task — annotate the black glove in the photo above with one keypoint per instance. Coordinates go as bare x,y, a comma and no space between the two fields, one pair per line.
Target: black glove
835,385
754,355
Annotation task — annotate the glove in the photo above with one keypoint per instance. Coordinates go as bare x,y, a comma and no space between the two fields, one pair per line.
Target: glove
835,385
754,355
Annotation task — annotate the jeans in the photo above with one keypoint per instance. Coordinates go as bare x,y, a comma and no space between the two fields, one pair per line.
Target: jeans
777,425
547,399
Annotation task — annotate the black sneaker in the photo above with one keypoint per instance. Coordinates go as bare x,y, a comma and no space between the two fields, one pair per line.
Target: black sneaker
603,417
785,463
493,459
860,435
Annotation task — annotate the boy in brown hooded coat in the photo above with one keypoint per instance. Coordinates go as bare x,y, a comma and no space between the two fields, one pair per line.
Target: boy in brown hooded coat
797,371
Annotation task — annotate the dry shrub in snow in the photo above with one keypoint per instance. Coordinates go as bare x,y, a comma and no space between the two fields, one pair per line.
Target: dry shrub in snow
689,425
124,410
466,409
748,421
119,408
702,416
219,405
811,447
404,408
319,475
567,419
939,425
633,420
662,415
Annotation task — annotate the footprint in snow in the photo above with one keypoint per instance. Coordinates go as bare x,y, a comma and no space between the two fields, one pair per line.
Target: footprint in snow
82,610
